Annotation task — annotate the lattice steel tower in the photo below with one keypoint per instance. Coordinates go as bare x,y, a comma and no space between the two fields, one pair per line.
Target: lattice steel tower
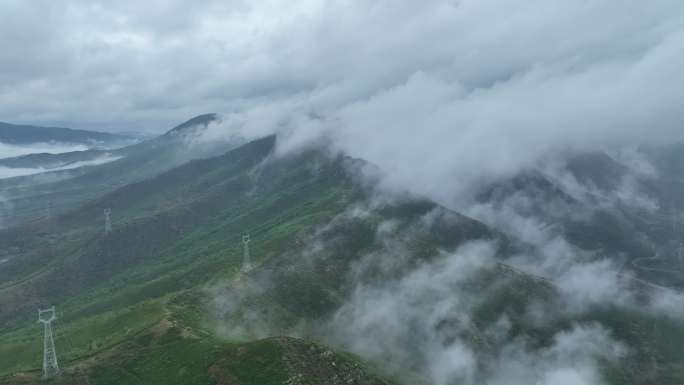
674,221
246,258
108,220
48,211
50,365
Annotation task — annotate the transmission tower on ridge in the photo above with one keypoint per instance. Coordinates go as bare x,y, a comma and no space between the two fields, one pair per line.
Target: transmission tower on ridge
246,258
108,220
50,365
674,221
48,211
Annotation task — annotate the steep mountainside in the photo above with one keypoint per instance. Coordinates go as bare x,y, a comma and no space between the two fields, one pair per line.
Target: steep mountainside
604,208
165,295
172,233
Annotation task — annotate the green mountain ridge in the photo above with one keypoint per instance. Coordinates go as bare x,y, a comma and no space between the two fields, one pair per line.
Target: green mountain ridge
140,280
169,236
162,298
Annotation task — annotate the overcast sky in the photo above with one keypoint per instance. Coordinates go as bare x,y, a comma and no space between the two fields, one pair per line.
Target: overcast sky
151,64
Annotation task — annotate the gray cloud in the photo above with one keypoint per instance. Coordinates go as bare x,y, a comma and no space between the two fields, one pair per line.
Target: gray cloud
468,65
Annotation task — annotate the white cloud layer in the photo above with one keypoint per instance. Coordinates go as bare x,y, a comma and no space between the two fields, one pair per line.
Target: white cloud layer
12,150
442,95
402,322
9,172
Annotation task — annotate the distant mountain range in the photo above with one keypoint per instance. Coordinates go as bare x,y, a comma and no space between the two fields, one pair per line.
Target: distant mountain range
60,173
49,161
20,134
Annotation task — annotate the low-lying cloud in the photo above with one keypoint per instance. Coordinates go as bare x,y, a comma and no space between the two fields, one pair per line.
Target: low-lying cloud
447,100
13,150
453,319
427,321
439,94
9,172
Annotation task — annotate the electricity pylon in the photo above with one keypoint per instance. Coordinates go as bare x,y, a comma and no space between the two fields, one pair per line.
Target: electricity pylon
246,258
108,220
674,221
48,211
50,365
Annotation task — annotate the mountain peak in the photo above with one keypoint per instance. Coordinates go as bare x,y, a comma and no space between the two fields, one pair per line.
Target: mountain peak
199,120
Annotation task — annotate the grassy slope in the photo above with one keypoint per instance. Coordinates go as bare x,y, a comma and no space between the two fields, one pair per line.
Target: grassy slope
171,354
174,232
